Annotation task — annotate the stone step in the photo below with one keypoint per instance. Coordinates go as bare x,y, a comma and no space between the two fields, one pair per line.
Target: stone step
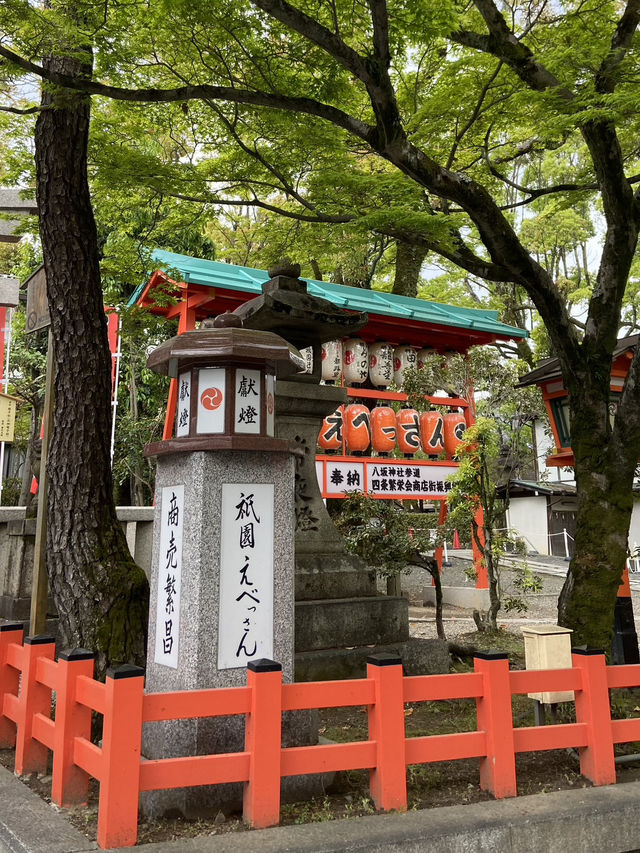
419,657
345,622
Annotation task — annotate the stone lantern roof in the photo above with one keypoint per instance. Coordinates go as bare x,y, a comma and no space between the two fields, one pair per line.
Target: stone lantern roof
230,344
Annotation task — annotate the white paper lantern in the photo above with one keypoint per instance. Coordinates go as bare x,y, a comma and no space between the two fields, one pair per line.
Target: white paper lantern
355,361
331,361
403,357
307,354
424,355
381,364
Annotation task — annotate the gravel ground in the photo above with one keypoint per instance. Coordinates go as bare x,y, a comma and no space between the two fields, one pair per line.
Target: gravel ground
542,606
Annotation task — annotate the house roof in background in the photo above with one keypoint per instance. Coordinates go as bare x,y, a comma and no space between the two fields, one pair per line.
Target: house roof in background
13,202
549,368
518,488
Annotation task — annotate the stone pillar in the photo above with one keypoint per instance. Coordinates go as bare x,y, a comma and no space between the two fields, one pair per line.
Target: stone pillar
197,602
222,576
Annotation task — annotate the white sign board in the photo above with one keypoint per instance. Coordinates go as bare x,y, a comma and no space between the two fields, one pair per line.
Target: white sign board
183,413
245,621
345,477
406,479
211,400
248,401
169,576
384,478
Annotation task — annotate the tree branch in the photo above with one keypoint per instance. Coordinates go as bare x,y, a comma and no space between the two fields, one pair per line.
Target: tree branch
380,21
310,29
307,106
503,44
320,218
21,112
620,44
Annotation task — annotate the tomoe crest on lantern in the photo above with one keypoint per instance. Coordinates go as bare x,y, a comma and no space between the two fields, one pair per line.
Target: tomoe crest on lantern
403,357
331,361
355,361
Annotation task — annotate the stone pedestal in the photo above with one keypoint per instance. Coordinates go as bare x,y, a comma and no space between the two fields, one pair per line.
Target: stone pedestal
323,569
202,475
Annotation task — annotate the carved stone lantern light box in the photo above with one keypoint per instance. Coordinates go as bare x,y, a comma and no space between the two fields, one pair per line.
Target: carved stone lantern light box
226,386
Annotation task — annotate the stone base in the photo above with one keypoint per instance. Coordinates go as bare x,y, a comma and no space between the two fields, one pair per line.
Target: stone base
458,596
346,622
15,608
348,576
419,657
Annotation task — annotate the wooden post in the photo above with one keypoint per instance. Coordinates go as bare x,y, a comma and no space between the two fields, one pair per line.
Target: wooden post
597,761
263,742
39,587
495,718
70,784
442,517
35,698
121,747
388,779
10,632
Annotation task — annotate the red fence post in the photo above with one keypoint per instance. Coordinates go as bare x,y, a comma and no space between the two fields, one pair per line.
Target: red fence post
10,632
495,718
35,698
70,784
121,746
597,760
263,742
388,779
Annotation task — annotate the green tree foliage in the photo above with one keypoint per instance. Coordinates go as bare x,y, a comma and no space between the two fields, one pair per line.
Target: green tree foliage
444,125
473,496
386,537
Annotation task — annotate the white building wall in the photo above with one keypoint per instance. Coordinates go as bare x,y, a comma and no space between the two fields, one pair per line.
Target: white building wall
634,527
528,518
544,447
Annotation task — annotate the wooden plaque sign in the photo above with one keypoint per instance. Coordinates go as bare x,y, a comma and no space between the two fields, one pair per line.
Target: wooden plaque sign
37,305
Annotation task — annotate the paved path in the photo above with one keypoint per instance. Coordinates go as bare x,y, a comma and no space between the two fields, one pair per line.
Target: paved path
542,607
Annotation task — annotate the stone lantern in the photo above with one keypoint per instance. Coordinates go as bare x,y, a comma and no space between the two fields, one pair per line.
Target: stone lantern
226,386
224,509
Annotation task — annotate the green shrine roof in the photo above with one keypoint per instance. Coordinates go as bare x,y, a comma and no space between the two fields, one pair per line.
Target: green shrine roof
245,279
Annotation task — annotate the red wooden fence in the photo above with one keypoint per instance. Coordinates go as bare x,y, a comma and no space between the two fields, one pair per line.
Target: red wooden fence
29,675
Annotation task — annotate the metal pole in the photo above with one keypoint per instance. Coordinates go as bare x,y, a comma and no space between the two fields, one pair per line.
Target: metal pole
38,620
446,561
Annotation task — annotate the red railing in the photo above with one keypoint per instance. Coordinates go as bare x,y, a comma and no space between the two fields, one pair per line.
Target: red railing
29,675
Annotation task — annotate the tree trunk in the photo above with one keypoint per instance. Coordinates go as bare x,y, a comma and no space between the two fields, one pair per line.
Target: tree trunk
101,595
604,479
409,260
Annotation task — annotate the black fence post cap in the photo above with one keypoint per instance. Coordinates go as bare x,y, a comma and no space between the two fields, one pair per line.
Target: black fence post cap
264,665
585,650
126,670
384,659
492,654
39,640
76,654
11,626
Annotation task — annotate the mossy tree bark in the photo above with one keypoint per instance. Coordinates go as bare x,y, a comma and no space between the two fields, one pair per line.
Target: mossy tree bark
101,595
409,260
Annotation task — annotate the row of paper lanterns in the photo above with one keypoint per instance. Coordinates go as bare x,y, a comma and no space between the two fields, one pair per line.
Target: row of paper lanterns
358,361
383,430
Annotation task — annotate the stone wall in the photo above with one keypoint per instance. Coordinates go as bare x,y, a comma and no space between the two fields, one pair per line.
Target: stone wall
17,537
